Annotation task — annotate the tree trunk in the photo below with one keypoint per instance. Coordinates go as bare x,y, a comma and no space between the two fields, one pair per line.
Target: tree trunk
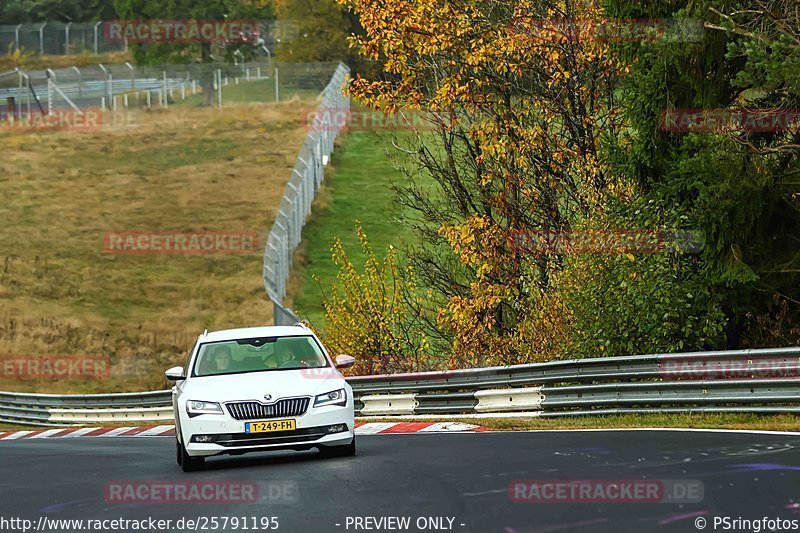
207,75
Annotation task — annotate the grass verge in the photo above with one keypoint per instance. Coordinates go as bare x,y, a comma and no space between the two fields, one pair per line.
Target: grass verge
777,422
358,189
28,61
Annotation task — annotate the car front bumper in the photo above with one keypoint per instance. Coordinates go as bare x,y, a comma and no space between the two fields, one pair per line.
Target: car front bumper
222,434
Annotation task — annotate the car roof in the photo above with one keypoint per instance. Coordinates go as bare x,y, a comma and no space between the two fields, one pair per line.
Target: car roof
250,333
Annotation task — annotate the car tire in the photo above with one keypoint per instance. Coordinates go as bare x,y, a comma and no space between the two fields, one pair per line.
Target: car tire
179,452
348,450
189,463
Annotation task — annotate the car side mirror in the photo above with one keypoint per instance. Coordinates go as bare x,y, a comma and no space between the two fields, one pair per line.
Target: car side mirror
345,361
175,373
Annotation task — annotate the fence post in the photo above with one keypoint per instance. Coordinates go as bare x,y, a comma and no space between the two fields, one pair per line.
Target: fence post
105,86
28,92
133,75
96,39
41,38
51,77
166,92
277,87
219,87
80,81
298,196
66,38
49,96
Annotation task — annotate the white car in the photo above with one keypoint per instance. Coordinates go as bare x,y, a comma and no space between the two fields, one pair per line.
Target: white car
259,389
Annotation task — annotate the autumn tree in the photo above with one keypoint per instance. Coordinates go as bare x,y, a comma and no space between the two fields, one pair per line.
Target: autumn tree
317,30
38,11
373,312
521,104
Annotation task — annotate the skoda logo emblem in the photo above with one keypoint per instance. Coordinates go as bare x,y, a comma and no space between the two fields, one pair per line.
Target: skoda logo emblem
268,397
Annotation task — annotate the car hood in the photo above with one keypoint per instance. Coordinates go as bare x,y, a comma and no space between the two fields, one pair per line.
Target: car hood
254,385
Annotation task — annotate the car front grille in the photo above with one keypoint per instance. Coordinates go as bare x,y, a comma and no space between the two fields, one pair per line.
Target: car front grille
257,410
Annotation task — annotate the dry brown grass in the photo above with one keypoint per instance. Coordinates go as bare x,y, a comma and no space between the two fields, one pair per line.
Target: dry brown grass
38,62
182,169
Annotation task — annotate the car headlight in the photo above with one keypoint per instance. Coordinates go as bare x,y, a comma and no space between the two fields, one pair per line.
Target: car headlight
337,397
196,408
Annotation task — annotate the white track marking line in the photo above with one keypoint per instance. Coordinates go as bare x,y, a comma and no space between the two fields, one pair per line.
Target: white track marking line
48,433
694,430
154,432
448,426
371,428
17,435
117,431
78,432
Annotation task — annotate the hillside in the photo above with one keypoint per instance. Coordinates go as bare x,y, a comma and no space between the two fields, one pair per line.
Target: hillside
62,291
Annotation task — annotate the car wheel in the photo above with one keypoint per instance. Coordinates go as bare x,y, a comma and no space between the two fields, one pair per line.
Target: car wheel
348,450
189,463
179,452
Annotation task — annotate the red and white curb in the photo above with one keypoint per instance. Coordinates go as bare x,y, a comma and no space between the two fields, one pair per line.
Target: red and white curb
362,428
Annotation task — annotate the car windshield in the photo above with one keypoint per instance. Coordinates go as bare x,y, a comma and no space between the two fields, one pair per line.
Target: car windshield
258,355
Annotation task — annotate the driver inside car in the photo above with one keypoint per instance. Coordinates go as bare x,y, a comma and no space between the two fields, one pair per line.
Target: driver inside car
284,355
221,359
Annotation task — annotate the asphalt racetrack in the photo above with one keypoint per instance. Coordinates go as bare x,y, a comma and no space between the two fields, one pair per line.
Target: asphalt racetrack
438,482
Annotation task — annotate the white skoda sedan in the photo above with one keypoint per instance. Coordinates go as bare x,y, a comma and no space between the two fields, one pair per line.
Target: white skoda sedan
260,389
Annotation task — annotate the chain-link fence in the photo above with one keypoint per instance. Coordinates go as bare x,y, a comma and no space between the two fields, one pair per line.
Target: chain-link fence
117,87
307,176
58,38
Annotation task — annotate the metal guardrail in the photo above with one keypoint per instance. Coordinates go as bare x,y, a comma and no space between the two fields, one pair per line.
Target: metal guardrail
122,86
307,176
69,410
58,38
748,381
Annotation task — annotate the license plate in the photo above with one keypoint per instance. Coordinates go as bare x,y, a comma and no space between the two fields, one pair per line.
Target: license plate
288,424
